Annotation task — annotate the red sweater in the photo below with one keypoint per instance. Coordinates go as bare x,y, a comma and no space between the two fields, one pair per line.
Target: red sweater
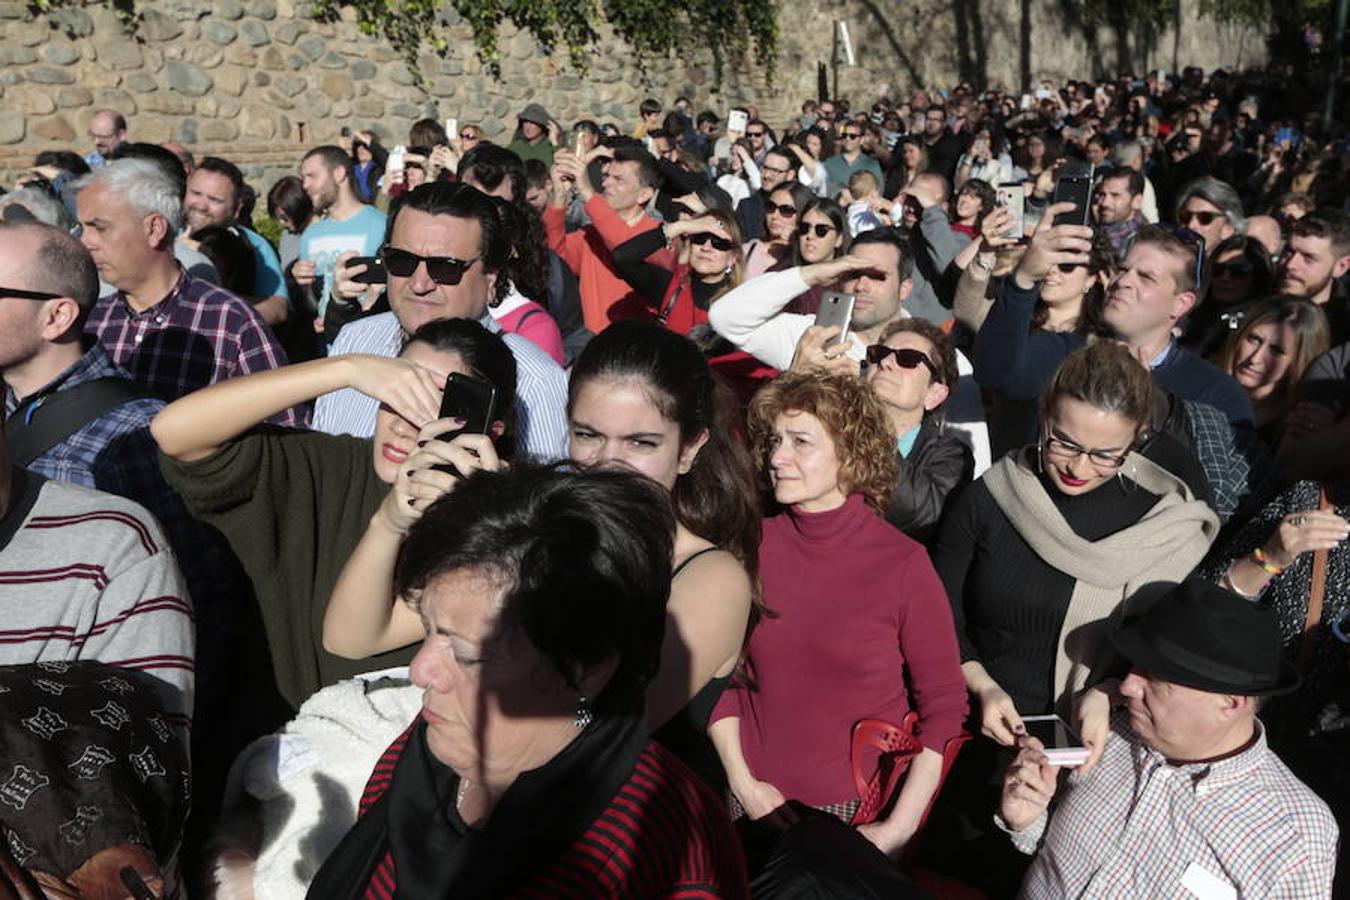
586,253
853,601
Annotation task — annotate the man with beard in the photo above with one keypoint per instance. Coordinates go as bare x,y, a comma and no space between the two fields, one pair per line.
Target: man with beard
215,193
346,224
1313,264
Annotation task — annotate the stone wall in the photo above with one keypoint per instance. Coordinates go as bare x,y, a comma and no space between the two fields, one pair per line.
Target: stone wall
257,81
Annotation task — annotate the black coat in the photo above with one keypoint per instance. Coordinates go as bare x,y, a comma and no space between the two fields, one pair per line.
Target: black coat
940,463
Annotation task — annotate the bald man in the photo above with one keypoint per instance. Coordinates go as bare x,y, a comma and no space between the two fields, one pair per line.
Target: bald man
108,131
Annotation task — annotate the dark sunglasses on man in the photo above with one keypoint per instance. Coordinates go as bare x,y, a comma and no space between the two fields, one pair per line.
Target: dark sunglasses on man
707,237
905,358
1204,217
820,228
442,269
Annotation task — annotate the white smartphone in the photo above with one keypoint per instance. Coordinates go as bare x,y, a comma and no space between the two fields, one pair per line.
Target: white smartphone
1063,746
737,119
1014,198
395,161
836,309
451,128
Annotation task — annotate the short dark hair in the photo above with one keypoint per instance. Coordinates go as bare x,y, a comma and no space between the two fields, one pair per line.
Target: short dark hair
228,169
231,254
487,357
489,164
893,237
1136,179
1324,224
440,198
536,173
583,559
427,133
649,107
786,155
61,265
335,157
66,160
648,173
288,196
707,116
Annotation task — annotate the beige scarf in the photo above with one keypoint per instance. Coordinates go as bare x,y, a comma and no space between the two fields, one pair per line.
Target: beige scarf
1164,545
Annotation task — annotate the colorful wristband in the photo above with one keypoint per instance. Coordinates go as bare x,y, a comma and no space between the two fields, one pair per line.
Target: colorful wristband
1259,557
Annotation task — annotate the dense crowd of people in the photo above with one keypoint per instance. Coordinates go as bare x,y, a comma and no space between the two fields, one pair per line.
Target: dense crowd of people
710,508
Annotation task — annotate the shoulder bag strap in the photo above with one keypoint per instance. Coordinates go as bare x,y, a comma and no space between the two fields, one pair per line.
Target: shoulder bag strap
31,431
1316,594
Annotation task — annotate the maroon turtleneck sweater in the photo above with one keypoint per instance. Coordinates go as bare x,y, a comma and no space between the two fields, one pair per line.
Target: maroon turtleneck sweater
854,602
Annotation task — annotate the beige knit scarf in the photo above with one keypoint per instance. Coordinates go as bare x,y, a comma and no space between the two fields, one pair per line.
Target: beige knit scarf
1164,545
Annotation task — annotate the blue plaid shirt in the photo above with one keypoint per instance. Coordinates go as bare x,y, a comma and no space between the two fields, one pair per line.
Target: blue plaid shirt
115,453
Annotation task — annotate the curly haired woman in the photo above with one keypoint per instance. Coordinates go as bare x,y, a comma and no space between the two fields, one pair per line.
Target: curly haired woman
859,626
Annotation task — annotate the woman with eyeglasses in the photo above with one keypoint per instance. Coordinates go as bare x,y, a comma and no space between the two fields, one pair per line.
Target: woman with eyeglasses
912,370
292,504
1276,343
1237,273
1042,548
859,626
782,212
822,234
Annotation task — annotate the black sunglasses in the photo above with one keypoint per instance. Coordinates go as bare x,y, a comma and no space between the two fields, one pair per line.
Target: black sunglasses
442,269
707,237
1066,268
1204,217
905,358
26,295
1238,268
820,228
786,210
852,135
754,134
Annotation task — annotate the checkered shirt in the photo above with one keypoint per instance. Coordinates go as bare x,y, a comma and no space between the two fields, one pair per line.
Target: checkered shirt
197,335
1138,826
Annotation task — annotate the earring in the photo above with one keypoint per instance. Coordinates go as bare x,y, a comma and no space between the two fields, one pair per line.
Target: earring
1040,460
584,714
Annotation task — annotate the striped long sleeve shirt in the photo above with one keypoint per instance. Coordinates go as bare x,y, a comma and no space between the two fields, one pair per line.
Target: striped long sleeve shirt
87,575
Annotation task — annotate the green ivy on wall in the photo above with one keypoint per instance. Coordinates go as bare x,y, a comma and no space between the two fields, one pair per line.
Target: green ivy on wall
730,30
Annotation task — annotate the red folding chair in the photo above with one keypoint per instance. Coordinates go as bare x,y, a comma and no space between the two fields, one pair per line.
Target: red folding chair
894,745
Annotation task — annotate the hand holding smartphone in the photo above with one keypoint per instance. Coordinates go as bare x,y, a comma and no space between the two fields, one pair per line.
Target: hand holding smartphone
836,309
1074,185
1013,198
474,400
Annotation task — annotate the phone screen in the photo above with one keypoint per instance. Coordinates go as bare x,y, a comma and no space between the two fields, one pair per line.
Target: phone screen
1053,732
737,120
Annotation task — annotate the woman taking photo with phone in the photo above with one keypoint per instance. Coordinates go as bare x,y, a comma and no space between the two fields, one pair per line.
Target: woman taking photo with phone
859,626
641,398
1040,550
292,504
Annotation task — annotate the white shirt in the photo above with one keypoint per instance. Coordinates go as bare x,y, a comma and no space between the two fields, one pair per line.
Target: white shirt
541,387
751,317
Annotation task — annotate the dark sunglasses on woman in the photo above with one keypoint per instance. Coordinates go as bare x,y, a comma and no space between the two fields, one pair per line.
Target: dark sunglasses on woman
820,228
1205,218
1238,268
905,358
442,269
707,237
786,210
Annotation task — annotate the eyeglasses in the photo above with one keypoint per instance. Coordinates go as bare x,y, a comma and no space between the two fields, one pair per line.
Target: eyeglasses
442,269
852,135
820,228
1205,218
26,295
905,358
786,210
775,170
468,135
707,237
1067,450
754,134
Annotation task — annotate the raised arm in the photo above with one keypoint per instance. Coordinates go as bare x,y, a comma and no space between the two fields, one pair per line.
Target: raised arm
364,617
195,426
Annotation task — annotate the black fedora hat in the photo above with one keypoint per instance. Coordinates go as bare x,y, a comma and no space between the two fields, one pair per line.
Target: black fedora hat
1199,635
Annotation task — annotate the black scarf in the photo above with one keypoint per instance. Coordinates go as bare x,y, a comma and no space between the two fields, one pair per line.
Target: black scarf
437,855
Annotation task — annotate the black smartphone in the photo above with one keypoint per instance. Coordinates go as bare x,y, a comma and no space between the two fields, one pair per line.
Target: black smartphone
1074,185
375,272
471,399
346,131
